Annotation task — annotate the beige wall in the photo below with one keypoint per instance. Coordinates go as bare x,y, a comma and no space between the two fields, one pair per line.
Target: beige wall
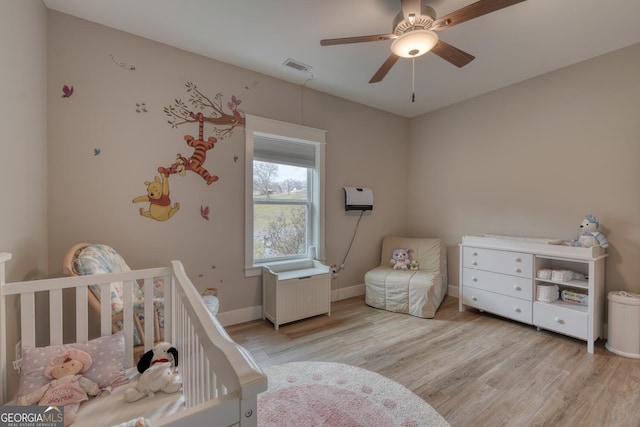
533,158
91,196
530,159
23,149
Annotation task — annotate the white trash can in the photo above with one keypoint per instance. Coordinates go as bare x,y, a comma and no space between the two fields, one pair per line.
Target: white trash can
624,324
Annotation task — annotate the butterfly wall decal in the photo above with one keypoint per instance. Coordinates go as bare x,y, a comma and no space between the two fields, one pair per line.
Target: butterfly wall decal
96,151
204,212
67,91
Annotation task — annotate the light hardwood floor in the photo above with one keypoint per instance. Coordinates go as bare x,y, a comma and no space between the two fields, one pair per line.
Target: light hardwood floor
473,368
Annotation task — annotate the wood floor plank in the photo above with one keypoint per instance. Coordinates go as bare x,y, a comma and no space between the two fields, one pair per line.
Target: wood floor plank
474,368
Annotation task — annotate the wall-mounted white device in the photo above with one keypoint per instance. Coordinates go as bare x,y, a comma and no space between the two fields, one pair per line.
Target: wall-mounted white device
358,199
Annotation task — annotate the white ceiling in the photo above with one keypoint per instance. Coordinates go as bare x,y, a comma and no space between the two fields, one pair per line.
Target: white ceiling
510,45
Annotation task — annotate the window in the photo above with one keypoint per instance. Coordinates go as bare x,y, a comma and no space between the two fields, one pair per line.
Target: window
284,193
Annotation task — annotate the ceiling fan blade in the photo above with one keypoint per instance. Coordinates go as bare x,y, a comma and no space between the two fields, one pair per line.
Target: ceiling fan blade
359,39
472,11
411,7
384,69
452,54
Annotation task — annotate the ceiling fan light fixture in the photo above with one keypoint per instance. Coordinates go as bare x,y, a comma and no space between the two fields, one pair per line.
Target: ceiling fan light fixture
414,43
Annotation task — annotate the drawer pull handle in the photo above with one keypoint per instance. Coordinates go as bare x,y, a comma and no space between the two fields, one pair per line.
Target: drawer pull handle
475,279
559,320
475,254
518,259
517,270
517,288
474,298
517,309
305,277
475,262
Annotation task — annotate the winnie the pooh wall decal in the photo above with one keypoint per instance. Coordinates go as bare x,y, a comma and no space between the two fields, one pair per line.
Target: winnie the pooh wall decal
199,109
157,195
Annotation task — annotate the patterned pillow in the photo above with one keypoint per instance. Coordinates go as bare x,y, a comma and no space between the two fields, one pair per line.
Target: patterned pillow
107,368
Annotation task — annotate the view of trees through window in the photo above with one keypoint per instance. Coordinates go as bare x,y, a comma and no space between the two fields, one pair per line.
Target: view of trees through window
280,210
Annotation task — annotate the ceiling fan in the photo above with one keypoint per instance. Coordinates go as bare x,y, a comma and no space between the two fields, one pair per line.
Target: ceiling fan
415,31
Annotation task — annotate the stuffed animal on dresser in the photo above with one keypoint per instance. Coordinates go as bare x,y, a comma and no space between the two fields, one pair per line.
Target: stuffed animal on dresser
400,259
67,387
589,235
158,373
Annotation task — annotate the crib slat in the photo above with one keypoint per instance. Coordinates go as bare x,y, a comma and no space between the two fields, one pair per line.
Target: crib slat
55,317
3,327
105,309
148,315
168,309
27,316
127,322
82,314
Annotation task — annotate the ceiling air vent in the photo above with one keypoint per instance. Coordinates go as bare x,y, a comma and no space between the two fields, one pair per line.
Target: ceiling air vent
296,65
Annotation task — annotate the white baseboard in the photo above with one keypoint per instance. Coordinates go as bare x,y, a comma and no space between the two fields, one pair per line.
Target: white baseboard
348,292
240,316
453,290
252,313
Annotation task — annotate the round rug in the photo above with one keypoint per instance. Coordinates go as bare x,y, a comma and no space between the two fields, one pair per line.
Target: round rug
310,394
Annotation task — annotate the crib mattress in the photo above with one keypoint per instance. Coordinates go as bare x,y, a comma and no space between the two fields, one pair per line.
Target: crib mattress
111,409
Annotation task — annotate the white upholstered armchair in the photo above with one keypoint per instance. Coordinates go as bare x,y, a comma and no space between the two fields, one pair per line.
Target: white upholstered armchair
417,292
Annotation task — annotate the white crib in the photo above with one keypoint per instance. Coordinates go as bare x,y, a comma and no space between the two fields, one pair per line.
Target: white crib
221,381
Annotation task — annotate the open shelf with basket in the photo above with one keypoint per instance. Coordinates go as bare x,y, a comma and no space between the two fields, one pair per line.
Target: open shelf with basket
551,286
569,296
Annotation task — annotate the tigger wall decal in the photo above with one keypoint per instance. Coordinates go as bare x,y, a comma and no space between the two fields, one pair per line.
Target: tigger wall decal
181,113
199,156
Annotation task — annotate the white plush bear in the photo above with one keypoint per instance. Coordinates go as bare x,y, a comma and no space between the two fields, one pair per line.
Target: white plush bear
400,259
590,236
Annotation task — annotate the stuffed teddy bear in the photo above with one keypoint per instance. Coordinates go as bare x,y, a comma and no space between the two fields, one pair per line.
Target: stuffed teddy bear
590,236
400,259
68,388
158,373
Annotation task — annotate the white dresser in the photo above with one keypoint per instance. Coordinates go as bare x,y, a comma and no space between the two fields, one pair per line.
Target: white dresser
295,291
500,275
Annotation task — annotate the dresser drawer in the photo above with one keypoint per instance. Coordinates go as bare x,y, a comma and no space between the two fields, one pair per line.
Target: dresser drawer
560,319
502,305
513,263
519,287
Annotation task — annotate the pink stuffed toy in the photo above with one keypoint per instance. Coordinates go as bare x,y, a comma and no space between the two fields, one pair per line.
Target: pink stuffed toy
68,388
400,259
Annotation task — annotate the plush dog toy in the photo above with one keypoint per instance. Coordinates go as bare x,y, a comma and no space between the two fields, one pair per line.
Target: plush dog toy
158,373
590,236
68,388
162,352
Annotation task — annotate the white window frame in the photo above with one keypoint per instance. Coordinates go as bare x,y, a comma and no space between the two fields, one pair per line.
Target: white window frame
258,126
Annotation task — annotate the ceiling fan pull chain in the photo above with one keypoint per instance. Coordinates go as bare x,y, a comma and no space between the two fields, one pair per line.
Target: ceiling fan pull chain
413,79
